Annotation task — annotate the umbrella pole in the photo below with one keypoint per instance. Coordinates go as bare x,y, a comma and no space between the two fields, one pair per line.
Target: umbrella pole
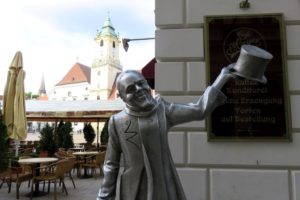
17,143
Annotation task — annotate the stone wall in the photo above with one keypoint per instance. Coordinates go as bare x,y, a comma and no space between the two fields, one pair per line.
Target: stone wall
224,170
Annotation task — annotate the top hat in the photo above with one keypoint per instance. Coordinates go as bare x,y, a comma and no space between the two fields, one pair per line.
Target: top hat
252,63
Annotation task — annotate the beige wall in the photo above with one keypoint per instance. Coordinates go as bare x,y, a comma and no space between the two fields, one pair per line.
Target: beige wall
224,170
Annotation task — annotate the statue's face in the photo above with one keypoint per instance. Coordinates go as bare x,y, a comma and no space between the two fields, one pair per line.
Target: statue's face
135,92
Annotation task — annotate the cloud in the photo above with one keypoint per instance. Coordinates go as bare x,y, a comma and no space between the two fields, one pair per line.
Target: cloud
54,34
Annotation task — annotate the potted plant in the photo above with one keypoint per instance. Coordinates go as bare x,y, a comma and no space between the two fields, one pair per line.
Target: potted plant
64,137
104,134
47,141
89,133
59,134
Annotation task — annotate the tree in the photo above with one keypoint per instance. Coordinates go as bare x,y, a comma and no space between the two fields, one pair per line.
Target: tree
89,133
67,136
47,140
59,134
64,138
104,134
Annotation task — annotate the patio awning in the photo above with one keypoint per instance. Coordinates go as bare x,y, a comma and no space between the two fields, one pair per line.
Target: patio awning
74,111
148,72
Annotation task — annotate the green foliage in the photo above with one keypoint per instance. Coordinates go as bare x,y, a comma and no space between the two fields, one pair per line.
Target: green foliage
47,140
59,134
3,145
68,137
29,95
104,134
89,133
64,138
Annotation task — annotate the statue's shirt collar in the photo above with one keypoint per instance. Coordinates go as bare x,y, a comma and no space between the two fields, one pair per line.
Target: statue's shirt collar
132,112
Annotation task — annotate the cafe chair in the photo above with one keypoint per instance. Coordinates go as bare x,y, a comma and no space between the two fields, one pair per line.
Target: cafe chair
18,173
94,162
52,173
70,165
3,177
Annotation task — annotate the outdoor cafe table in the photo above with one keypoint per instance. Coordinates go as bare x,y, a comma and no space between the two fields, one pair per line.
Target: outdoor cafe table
35,163
77,149
85,154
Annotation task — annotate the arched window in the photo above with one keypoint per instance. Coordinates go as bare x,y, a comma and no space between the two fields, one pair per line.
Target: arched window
101,43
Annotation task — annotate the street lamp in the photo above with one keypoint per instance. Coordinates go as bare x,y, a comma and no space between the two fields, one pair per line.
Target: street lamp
126,40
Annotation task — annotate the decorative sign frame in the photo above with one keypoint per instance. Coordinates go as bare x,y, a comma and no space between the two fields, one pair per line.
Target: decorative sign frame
253,111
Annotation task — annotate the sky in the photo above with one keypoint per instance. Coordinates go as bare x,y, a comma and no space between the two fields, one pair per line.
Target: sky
53,35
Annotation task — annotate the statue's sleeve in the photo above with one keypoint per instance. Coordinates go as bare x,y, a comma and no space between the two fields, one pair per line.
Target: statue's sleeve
111,164
181,113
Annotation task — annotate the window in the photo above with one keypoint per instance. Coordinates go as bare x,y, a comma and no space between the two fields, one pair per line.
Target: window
101,43
114,44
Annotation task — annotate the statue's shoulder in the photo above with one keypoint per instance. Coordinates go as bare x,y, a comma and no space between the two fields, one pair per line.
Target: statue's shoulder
119,115
161,101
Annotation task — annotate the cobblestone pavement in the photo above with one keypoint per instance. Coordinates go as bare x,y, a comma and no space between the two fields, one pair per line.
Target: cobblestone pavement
86,189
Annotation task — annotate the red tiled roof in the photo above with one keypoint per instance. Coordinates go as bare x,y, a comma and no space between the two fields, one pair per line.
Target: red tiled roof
43,98
78,73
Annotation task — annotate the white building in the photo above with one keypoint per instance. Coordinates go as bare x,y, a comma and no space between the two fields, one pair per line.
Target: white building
93,83
225,170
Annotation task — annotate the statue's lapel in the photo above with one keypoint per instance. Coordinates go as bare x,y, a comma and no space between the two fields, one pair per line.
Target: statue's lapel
131,133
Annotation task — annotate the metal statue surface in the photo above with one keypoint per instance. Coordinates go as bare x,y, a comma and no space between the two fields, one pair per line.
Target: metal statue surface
138,163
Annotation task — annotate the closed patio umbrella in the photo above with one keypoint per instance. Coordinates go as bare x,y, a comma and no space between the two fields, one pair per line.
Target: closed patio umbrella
14,101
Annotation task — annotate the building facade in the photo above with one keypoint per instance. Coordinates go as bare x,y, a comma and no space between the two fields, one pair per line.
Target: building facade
239,170
93,83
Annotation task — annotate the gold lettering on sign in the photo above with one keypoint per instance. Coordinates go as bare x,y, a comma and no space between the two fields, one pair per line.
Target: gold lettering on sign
266,101
246,90
237,37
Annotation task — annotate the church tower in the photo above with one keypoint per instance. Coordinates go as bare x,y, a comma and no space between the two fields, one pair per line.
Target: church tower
106,64
42,90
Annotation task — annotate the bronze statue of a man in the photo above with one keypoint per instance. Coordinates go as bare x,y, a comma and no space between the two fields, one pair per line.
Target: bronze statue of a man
138,163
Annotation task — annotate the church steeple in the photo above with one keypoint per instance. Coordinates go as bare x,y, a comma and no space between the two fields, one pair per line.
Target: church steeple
106,63
107,29
42,90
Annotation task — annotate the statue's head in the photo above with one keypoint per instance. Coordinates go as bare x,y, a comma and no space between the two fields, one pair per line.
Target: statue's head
134,90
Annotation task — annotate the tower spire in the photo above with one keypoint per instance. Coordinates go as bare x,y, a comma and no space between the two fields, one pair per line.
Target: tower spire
42,90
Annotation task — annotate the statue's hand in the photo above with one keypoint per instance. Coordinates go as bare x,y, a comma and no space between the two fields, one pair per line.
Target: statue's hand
224,76
227,71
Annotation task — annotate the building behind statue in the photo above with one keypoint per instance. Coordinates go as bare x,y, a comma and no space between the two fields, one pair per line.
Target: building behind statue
96,82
